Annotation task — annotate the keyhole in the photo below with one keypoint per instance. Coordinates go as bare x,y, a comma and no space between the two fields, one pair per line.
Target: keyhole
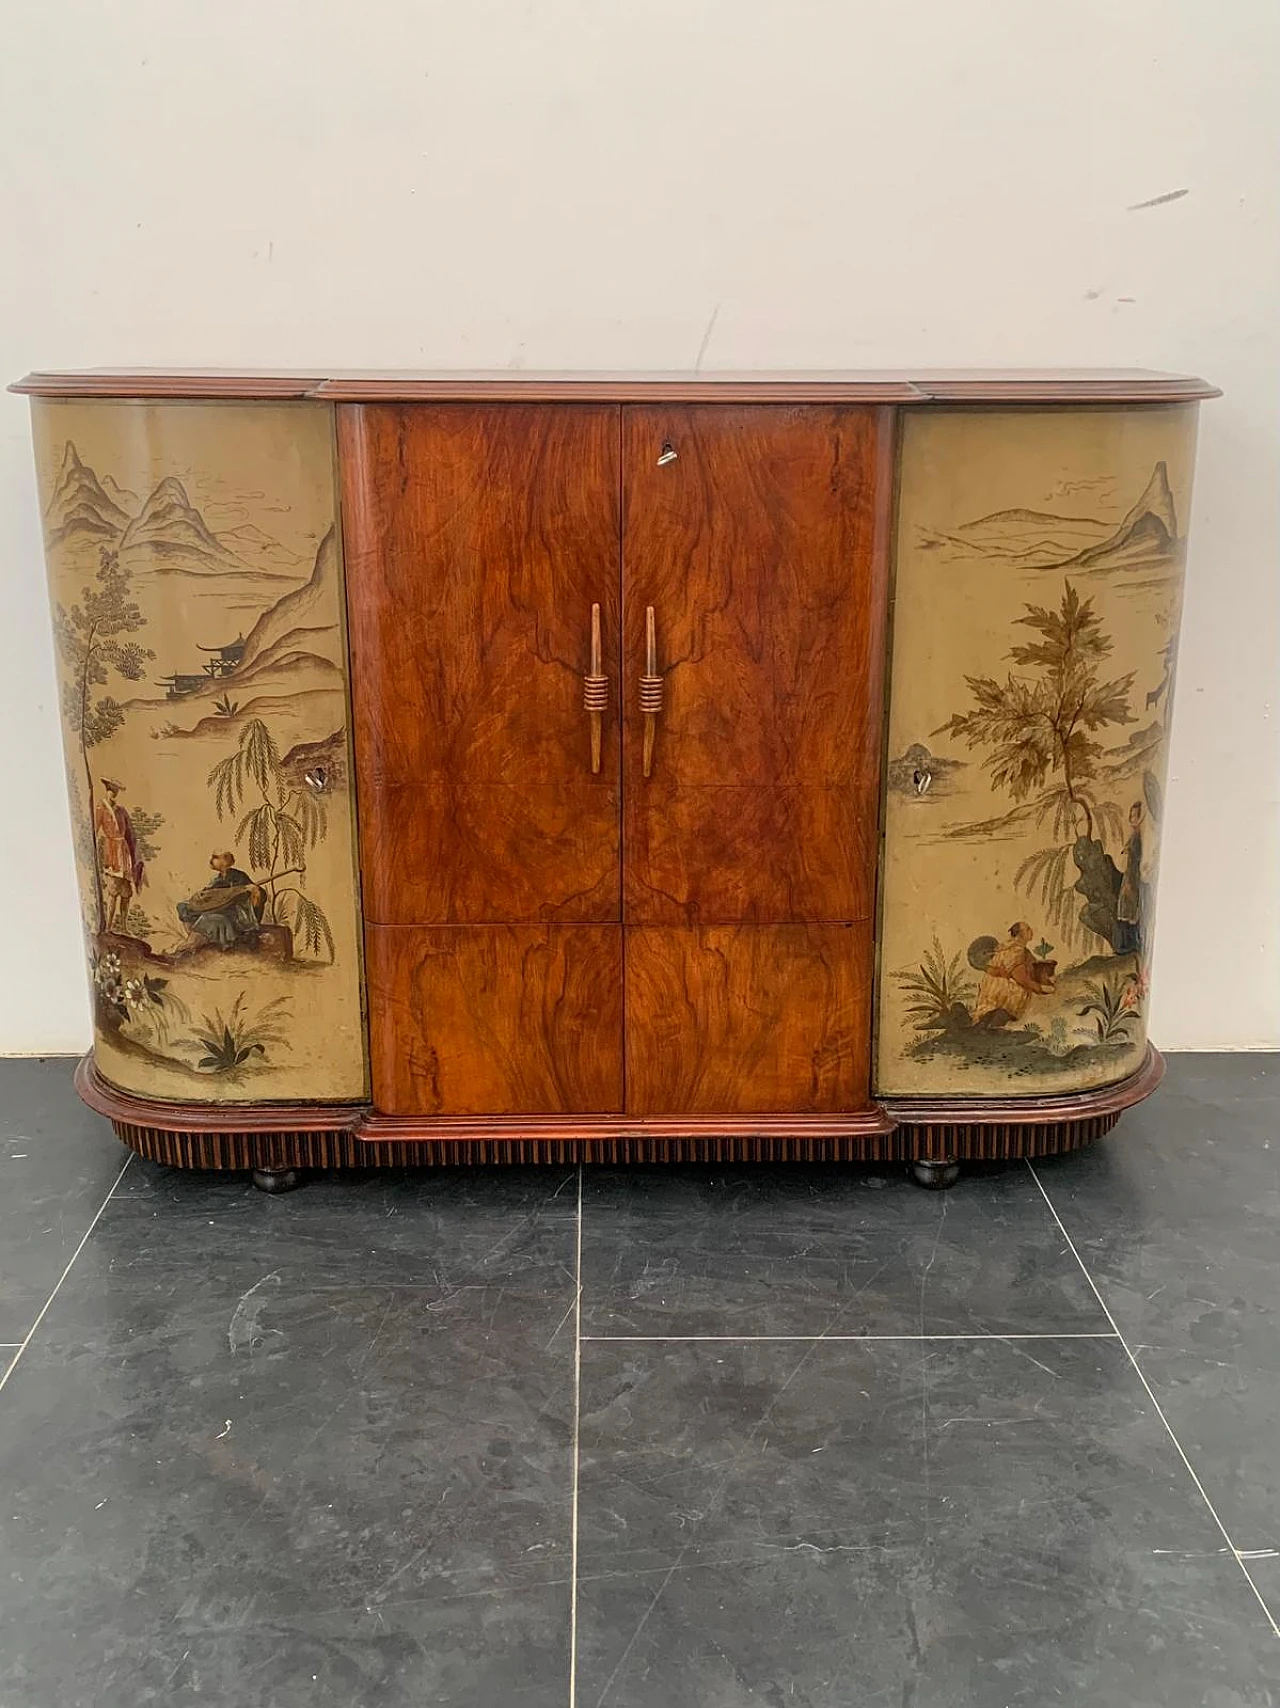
668,454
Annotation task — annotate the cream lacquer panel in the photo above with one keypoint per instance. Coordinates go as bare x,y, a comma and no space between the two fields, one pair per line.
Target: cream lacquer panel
195,572
1038,584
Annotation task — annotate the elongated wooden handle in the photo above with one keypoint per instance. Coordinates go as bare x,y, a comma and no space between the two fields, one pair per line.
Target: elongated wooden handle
650,688
595,692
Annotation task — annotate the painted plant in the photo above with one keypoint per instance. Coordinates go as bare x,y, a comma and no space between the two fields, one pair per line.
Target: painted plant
282,823
196,579
93,637
1022,815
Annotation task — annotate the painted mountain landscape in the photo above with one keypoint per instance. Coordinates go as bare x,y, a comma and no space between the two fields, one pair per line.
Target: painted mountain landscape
166,534
263,642
197,589
287,666
1145,547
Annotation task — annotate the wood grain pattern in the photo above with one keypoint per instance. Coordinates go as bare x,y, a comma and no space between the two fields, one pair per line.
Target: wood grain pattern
761,548
886,385
495,1019
487,854
748,1018
731,853
478,540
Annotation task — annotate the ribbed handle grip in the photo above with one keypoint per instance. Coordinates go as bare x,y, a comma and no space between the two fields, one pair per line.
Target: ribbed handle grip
595,692
650,688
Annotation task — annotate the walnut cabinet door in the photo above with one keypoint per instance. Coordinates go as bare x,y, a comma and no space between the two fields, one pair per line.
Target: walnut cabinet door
617,694
754,546
484,546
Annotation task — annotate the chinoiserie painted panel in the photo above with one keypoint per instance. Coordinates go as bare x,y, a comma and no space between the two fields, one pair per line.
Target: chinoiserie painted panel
1038,585
196,579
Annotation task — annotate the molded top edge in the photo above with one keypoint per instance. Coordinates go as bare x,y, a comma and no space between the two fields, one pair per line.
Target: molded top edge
905,385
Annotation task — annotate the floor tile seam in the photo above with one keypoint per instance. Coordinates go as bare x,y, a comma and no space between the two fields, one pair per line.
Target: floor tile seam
188,1209
575,1472
1240,1555
143,1280
57,1287
835,1339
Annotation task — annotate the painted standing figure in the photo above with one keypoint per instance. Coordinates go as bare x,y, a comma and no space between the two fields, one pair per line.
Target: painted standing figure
1128,932
122,871
1011,978
227,911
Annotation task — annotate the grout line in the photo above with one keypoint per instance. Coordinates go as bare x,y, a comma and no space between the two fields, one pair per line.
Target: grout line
1239,1554
577,1415
58,1284
740,1339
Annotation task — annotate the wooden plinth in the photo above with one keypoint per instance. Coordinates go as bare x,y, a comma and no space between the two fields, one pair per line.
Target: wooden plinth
300,1135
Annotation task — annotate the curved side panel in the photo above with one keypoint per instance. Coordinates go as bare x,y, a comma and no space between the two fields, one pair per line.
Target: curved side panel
1039,563
195,576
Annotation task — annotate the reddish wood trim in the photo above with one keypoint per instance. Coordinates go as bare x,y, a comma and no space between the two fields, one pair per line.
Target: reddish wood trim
106,1099
340,1148
1031,1111
1004,1141
1050,385
299,1135
374,1128
169,384
959,385
624,388
1063,385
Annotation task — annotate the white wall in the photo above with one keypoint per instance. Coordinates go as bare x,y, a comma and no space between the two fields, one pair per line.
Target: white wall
799,183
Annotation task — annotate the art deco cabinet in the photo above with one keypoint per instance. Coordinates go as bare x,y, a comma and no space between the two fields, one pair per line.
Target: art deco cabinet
512,768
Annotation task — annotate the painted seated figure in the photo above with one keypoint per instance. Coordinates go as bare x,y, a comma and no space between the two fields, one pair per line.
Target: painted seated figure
1011,976
227,911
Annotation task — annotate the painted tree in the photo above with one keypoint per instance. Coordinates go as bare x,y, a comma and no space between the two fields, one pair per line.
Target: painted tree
1039,731
90,636
1041,726
278,829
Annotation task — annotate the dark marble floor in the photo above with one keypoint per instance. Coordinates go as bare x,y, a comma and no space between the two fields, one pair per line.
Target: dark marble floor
662,1439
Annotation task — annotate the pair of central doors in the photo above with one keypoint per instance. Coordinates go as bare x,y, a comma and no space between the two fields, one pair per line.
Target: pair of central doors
548,601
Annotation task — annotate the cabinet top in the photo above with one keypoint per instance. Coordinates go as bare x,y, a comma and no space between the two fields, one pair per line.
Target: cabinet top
885,385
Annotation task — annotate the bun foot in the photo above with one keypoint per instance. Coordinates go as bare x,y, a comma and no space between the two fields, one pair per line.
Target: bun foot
935,1176
278,1179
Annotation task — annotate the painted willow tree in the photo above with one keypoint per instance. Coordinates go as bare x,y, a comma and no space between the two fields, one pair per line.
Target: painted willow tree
90,644
280,825
1038,729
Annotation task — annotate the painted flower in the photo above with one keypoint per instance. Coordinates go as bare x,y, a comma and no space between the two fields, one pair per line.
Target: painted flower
106,970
